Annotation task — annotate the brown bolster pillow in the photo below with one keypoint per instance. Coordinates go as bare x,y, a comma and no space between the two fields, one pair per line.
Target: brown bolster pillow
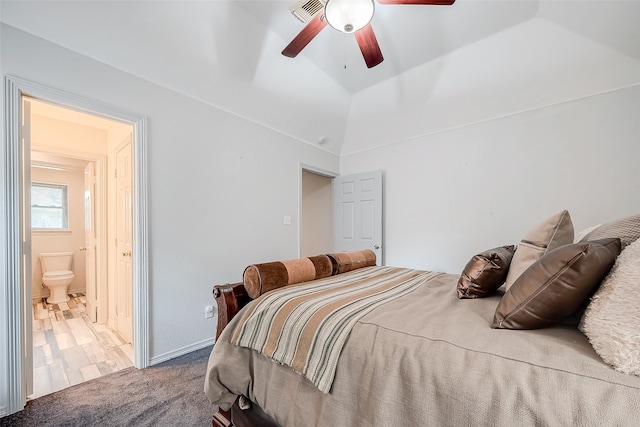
347,261
261,278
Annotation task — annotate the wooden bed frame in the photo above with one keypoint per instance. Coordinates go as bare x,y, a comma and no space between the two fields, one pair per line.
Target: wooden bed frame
230,298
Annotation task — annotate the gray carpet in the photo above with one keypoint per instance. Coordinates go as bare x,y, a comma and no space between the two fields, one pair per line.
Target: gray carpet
168,394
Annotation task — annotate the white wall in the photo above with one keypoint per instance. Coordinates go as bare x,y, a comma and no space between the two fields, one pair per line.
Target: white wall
482,144
451,194
229,57
66,138
219,186
530,66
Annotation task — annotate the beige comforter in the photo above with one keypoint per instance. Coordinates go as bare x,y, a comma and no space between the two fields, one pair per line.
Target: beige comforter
429,359
305,326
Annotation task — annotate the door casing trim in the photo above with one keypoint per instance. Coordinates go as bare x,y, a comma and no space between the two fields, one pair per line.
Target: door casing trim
16,308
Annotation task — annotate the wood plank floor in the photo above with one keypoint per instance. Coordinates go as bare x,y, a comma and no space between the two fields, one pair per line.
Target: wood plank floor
68,349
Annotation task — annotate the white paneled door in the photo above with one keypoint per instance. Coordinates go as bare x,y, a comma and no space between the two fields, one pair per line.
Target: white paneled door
124,236
90,240
357,213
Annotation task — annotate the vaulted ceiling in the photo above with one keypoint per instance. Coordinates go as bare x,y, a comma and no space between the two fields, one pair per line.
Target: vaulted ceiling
224,52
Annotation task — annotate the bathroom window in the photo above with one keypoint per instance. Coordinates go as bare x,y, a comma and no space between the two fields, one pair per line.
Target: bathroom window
49,206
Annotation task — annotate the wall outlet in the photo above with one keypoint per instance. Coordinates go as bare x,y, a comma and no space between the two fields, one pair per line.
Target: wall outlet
208,312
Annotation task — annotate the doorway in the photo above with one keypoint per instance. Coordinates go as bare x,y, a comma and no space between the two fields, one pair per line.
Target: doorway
316,225
340,213
18,255
72,154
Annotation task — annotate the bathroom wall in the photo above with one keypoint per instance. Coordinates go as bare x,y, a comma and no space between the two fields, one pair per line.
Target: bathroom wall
61,241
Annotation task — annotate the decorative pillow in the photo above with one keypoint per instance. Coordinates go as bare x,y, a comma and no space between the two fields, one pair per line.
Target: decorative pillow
347,261
579,235
485,272
261,278
556,231
627,229
556,285
612,319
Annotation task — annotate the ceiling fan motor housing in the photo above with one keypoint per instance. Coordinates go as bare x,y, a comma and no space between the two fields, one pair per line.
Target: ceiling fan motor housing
349,15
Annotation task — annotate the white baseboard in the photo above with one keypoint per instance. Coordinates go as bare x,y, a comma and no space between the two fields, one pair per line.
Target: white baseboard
181,351
3,412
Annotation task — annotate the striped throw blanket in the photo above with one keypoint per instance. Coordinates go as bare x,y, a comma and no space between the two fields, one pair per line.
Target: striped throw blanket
305,326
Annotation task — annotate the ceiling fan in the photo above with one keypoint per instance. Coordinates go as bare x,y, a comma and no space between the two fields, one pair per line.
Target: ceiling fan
347,16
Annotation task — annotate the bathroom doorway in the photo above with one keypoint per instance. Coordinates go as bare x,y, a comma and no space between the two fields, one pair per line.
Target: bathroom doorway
18,266
72,154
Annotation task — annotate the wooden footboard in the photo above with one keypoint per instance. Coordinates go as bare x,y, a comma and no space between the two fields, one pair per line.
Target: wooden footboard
230,298
252,417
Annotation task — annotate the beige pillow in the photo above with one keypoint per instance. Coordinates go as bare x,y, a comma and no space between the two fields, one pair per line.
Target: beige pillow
556,231
579,235
612,319
626,229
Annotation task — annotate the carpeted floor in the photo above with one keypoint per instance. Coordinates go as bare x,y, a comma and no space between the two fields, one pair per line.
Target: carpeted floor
168,394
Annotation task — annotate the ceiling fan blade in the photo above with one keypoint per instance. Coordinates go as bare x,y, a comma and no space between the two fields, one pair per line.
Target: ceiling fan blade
305,36
432,2
369,46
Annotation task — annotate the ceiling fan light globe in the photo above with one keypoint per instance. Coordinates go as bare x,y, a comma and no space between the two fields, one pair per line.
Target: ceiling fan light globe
349,16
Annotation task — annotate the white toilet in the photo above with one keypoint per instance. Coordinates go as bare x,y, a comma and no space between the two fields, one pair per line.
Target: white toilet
57,275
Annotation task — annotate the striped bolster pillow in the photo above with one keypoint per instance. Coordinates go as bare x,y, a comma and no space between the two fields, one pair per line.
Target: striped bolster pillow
261,278
348,261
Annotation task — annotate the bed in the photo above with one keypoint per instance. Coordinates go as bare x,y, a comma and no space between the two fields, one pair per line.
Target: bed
443,350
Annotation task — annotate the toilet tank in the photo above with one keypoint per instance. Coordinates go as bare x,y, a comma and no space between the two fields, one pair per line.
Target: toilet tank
56,261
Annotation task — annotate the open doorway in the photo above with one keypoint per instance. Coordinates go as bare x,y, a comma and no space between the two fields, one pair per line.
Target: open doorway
18,253
340,213
77,334
316,225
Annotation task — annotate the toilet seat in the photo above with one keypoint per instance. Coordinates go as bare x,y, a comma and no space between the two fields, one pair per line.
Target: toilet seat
57,274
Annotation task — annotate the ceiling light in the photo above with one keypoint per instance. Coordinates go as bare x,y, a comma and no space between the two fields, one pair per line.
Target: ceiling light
348,15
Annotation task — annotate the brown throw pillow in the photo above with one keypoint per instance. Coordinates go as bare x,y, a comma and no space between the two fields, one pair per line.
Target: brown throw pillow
556,285
485,272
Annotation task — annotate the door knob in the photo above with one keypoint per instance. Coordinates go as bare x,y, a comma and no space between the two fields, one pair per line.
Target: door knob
376,246
83,249
126,253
